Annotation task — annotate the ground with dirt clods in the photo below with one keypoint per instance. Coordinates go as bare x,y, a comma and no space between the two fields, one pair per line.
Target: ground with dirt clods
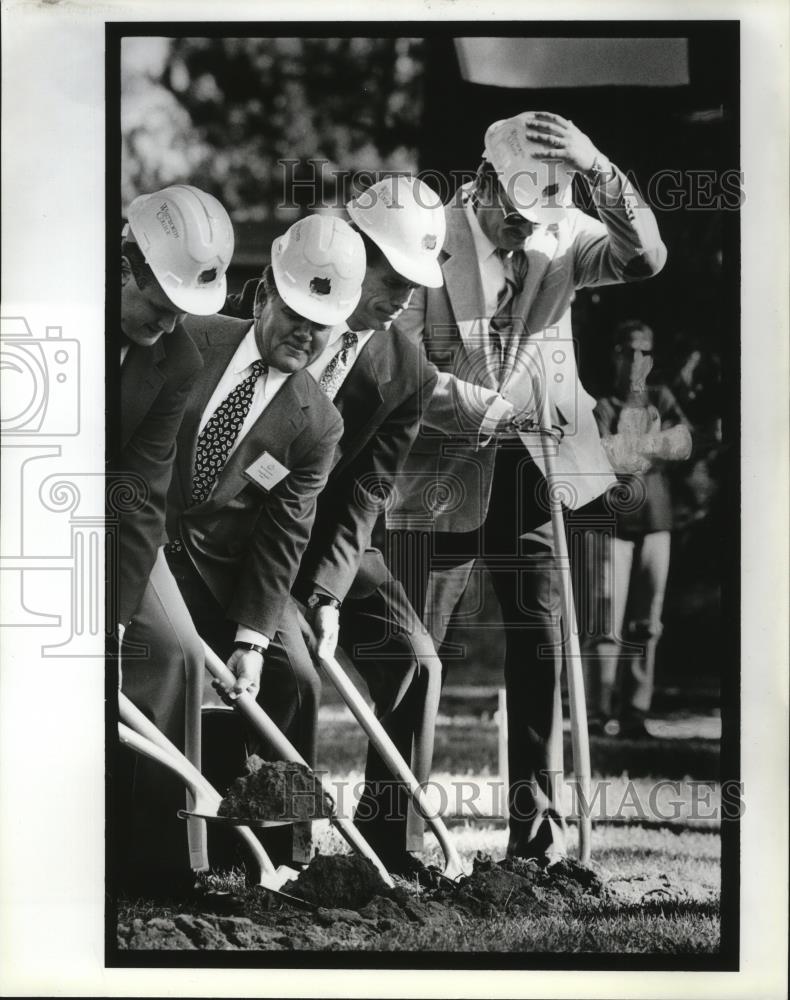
347,889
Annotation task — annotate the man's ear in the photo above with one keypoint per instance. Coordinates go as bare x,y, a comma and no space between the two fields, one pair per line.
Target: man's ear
126,270
260,299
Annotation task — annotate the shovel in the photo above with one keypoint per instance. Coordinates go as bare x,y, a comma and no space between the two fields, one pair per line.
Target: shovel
388,752
140,734
255,715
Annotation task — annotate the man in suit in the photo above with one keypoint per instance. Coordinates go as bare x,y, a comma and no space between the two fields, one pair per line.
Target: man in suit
499,331
380,381
254,451
175,251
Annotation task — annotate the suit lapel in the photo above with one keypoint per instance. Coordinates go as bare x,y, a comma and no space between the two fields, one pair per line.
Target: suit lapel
141,380
216,354
273,432
360,396
462,281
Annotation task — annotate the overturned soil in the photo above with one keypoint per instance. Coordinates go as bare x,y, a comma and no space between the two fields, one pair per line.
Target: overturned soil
347,890
276,791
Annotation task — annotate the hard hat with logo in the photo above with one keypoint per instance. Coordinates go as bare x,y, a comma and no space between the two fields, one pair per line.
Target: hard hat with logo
540,191
186,237
319,265
405,219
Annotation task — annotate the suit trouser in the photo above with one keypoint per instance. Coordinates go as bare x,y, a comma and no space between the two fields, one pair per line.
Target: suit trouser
390,647
516,545
289,693
162,673
631,583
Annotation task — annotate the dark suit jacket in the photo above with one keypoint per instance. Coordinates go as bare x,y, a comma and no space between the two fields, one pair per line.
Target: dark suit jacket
155,384
380,401
246,542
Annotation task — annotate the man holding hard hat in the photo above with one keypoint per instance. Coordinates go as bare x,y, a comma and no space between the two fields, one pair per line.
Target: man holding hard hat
499,331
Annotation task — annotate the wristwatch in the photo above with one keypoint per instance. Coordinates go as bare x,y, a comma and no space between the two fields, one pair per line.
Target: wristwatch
253,647
321,601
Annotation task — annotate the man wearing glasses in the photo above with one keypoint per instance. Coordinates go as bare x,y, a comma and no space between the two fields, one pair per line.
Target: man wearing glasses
498,330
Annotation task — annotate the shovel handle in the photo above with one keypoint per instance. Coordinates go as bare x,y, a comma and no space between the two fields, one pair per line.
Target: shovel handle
387,750
255,715
138,732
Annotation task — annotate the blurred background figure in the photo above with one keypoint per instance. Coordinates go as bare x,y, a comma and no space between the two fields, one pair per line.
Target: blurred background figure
642,428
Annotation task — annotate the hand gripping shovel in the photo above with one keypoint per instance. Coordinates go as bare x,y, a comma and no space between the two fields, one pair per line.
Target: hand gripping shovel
388,752
252,711
140,734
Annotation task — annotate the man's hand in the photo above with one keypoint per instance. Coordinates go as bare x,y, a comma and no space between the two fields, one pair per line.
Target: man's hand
246,666
325,623
561,140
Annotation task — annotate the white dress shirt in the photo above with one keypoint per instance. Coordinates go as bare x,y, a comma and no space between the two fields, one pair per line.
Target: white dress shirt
334,344
266,388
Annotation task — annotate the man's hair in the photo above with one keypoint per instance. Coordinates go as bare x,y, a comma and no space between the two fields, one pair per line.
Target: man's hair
143,274
624,330
485,185
374,255
269,288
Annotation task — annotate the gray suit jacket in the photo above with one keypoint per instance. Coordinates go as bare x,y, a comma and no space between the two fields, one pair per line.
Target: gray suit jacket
447,478
246,541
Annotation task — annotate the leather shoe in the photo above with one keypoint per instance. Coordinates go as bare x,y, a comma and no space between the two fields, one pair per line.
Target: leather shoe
406,866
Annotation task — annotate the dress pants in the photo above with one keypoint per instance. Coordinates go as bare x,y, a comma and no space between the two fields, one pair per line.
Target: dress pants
289,693
162,673
516,545
391,649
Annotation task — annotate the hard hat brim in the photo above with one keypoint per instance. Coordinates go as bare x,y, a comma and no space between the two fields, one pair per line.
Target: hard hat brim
197,301
313,309
424,271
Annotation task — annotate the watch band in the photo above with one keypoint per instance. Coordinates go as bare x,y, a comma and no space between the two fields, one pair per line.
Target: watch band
253,647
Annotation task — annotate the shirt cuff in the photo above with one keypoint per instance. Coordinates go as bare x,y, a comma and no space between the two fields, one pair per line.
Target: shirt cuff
499,409
244,634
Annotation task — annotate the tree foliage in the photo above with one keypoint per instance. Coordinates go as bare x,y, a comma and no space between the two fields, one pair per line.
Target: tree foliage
224,113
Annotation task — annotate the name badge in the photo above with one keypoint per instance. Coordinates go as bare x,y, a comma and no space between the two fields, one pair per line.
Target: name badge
266,471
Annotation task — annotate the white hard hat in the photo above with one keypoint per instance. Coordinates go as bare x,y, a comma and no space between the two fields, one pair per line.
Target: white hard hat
186,237
405,219
319,265
540,191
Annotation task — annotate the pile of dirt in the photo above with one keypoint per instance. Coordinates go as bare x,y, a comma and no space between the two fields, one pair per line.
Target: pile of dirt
345,881
276,790
517,885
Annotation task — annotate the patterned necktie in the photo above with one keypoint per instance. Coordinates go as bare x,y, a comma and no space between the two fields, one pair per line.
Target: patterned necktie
220,433
335,371
515,267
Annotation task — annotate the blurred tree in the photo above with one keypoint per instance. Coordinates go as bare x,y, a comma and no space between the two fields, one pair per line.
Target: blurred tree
224,114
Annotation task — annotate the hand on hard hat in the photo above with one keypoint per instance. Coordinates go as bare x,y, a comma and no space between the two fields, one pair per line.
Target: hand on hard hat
186,238
537,185
319,266
405,219
561,140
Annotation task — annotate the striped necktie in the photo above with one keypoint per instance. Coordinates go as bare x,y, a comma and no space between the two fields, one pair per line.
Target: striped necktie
514,265
334,373
219,435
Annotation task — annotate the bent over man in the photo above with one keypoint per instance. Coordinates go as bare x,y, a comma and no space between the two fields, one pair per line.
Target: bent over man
380,381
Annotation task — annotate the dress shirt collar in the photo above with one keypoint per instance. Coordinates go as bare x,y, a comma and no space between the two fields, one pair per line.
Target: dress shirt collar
246,352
